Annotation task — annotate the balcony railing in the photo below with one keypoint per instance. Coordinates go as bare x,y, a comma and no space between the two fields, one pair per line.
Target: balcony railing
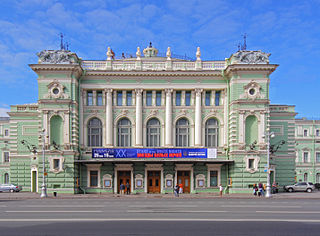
153,66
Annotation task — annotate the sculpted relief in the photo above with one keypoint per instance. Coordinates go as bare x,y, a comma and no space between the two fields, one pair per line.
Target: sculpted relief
250,57
57,57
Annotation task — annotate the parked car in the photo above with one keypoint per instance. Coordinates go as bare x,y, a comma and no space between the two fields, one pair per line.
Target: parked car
10,188
301,186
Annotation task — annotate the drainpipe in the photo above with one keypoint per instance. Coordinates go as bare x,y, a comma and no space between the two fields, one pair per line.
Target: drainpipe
227,131
79,143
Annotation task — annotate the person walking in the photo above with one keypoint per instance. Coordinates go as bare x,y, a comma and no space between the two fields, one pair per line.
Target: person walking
127,188
176,191
260,187
180,188
255,190
221,190
122,187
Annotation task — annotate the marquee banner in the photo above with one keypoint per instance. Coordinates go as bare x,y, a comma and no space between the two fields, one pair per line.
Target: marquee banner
154,153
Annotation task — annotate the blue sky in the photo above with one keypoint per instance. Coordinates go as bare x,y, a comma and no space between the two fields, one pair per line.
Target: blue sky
288,29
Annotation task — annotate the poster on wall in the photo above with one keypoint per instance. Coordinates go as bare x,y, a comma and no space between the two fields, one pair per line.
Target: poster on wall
154,153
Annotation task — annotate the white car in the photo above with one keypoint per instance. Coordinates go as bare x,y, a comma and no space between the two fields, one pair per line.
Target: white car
9,188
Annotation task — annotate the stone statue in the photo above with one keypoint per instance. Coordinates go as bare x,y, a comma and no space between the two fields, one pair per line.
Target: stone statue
57,57
250,57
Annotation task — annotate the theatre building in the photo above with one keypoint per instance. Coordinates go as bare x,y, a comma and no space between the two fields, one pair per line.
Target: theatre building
152,122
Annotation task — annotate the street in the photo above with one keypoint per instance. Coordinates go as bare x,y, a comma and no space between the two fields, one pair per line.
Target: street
152,216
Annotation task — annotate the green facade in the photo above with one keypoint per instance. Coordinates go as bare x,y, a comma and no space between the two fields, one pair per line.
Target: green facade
73,94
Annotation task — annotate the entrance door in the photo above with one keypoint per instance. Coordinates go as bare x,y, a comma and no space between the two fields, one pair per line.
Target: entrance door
34,181
124,177
154,181
184,179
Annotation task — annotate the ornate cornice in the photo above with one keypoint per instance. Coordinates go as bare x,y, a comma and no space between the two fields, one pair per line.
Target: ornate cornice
235,68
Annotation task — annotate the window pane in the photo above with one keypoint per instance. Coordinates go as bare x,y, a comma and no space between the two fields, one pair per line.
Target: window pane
188,98
149,98
93,178
158,98
124,133
213,178
208,98
95,132
153,133
318,157
129,98
89,98
119,98
99,99
217,98
178,98
6,157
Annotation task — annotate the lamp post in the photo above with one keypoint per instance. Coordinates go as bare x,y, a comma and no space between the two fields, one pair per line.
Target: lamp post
268,135
43,186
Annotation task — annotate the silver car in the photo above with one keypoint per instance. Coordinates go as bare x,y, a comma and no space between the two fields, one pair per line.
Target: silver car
9,188
301,186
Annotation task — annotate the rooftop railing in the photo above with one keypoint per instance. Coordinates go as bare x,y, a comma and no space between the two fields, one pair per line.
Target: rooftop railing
153,66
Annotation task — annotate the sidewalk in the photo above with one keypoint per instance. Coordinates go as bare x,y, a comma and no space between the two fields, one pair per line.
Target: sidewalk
29,195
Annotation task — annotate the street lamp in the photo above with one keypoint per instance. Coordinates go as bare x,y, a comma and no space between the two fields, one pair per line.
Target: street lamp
268,135
43,186
32,148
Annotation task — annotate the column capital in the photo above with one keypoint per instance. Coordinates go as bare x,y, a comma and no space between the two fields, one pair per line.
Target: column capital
109,90
138,91
198,91
168,91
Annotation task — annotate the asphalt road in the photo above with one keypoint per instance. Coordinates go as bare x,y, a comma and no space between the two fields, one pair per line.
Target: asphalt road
174,216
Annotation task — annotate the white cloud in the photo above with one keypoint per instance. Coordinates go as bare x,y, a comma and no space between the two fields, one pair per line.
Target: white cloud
3,112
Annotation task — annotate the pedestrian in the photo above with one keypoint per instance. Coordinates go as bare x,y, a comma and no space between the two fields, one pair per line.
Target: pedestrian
128,188
255,189
122,187
221,190
261,192
180,188
176,191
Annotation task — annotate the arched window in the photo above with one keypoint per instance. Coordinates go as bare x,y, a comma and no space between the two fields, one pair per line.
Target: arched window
182,133
6,178
56,130
211,133
153,133
251,129
124,133
94,133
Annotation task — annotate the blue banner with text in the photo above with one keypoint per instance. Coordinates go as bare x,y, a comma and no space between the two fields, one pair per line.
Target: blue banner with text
154,153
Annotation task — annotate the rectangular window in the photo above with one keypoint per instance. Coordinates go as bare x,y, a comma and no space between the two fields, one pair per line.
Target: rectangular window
99,98
213,178
89,98
119,98
129,98
149,98
305,133
251,164
158,98
56,164
305,157
317,133
318,157
6,132
178,98
188,98
217,98
208,98
6,157
93,178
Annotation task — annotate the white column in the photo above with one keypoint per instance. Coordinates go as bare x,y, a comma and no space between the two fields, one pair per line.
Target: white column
139,117
198,119
94,98
262,128
66,138
109,118
45,125
168,118
81,124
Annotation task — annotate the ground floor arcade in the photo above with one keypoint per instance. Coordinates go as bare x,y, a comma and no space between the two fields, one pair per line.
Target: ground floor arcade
152,177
